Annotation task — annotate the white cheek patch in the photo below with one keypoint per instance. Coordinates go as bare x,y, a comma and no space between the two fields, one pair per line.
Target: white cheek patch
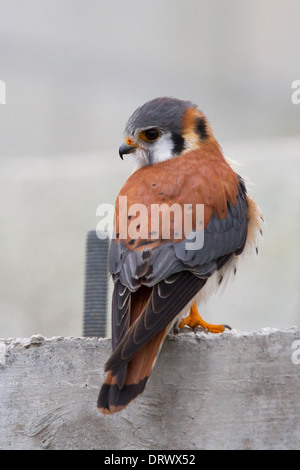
140,158
162,149
156,152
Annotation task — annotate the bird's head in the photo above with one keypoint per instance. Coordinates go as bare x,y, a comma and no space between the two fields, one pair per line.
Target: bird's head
162,129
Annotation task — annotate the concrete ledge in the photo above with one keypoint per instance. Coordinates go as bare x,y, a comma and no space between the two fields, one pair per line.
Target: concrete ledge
230,391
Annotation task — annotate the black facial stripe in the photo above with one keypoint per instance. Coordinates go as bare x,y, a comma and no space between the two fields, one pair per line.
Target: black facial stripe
201,128
178,142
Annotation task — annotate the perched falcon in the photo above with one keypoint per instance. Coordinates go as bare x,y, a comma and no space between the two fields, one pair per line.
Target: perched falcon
159,279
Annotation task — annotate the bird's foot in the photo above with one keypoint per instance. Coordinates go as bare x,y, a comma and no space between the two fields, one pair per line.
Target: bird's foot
194,320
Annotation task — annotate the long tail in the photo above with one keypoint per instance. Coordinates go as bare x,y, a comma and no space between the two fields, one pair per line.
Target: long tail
140,323
112,397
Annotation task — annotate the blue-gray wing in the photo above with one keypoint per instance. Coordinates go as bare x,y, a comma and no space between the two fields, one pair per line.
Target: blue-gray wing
223,238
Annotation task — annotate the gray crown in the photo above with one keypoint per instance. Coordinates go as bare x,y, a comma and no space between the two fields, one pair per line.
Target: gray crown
164,113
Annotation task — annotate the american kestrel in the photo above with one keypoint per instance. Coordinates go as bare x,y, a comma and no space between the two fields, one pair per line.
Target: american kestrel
158,278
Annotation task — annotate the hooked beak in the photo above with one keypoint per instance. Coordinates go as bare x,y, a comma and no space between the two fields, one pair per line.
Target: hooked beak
126,148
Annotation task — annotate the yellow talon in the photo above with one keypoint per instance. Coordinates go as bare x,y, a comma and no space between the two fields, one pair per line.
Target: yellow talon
194,320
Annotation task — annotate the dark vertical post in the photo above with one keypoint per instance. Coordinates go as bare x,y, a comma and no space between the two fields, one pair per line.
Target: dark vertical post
96,286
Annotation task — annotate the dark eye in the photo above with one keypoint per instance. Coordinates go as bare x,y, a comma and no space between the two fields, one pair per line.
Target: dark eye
150,135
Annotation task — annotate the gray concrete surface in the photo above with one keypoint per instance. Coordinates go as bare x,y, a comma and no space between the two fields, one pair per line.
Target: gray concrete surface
232,391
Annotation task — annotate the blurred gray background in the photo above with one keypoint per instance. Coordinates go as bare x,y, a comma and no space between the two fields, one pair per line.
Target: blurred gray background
74,71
